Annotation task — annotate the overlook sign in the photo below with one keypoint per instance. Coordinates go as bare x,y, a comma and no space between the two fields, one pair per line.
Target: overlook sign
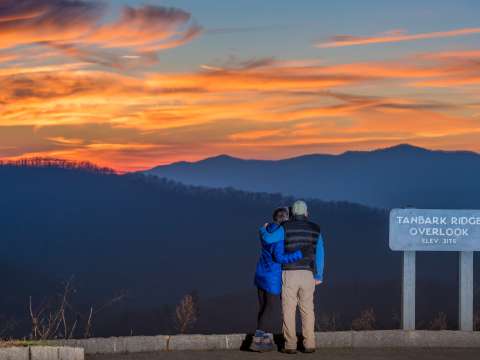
434,230
414,230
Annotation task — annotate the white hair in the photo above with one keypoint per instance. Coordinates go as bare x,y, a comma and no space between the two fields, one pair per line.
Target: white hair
299,207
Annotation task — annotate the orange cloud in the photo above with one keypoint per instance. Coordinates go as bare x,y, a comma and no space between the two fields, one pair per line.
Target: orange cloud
65,141
255,134
4,58
80,29
393,36
148,28
449,81
254,108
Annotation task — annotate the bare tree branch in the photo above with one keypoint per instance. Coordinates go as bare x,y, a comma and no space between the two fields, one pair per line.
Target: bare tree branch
52,318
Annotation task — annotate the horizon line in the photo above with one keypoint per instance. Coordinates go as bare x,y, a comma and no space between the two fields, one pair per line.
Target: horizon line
46,159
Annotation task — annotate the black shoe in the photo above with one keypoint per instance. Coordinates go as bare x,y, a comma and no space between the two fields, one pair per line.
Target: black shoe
289,351
308,350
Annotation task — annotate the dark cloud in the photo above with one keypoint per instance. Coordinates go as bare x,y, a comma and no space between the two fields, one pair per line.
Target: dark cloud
233,63
246,29
434,106
150,15
26,14
256,63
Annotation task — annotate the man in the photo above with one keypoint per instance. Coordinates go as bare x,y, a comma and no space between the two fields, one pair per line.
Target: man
300,278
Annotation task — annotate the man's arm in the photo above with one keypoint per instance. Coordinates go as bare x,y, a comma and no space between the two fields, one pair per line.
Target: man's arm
320,259
273,237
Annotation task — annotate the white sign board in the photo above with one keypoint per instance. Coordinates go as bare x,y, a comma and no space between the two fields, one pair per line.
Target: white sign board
434,230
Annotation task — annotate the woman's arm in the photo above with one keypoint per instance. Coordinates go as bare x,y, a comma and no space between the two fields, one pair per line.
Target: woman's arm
272,237
281,257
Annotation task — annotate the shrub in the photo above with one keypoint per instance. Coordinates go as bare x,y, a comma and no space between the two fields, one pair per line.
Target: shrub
366,320
439,322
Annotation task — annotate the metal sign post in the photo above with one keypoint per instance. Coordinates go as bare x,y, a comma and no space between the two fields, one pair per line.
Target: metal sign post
414,230
408,291
465,307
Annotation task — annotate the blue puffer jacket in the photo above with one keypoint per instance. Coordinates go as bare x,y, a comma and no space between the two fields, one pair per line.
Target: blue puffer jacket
269,267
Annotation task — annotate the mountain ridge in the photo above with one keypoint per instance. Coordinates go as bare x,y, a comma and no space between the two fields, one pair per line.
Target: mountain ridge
398,176
394,148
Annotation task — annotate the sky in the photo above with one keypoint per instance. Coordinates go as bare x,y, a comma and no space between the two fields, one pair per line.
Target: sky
134,84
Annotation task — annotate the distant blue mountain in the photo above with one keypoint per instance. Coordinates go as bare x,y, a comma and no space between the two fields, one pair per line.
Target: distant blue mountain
399,176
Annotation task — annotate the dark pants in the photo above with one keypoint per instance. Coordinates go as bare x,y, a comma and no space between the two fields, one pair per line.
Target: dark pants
268,304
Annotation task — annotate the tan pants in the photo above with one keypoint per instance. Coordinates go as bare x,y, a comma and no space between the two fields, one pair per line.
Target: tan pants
298,288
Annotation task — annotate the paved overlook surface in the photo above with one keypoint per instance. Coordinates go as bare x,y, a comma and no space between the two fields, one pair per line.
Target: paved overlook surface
324,354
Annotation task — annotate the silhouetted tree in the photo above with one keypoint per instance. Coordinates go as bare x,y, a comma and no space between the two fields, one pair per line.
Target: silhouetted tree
43,162
186,313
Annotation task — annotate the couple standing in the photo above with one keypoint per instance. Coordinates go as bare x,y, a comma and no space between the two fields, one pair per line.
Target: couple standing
290,265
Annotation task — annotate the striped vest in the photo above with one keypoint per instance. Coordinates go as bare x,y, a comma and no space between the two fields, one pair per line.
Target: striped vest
301,234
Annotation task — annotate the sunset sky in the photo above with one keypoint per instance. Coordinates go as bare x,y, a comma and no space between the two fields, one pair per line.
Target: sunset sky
133,84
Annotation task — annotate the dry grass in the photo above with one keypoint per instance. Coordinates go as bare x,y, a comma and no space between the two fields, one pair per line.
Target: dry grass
19,343
10,343
327,322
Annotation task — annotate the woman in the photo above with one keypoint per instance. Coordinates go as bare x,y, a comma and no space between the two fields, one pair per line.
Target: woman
268,279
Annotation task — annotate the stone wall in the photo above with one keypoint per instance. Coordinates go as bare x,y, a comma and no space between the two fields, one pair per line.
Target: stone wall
42,353
338,339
